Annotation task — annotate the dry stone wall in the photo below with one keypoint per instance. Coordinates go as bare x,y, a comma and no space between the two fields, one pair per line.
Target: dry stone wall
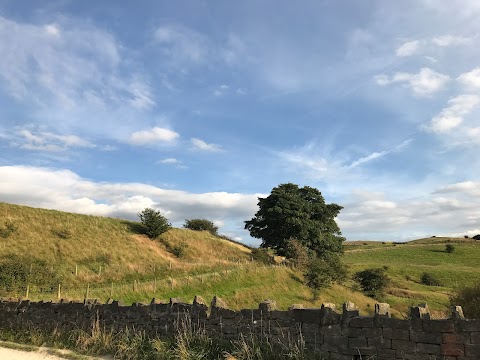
331,334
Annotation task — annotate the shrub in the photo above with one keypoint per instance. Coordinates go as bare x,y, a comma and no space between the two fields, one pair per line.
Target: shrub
476,237
297,253
9,228
469,299
465,236
262,256
449,248
430,280
372,281
153,222
201,225
321,272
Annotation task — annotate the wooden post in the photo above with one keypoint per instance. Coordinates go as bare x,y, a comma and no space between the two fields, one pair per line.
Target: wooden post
134,285
31,268
170,265
59,293
87,292
111,290
76,269
27,292
100,270
154,285
201,278
154,268
171,283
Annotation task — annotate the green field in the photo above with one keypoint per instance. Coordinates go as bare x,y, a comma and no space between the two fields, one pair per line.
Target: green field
109,258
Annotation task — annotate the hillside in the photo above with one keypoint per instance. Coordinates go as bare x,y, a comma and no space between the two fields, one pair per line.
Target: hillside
406,262
55,253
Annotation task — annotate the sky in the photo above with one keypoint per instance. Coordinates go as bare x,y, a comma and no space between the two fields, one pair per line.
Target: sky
197,108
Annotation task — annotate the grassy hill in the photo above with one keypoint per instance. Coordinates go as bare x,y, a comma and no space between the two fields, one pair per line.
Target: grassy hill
76,255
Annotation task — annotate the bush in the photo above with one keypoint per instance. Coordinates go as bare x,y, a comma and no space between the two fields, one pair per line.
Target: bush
465,236
297,253
262,256
201,225
153,223
9,228
372,281
430,280
476,237
469,299
449,248
322,272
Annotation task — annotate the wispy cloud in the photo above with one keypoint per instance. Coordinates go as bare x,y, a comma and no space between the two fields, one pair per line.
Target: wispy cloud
154,135
201,145
424,83
471,79
453,115
408,48
47,141
451,40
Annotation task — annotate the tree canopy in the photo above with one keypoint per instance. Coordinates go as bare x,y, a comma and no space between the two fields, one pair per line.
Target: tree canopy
291,212
153,222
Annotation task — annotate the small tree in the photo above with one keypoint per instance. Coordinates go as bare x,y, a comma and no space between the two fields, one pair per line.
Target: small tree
153,222
201,225
449,248
469,299
430,280
372,281
321,273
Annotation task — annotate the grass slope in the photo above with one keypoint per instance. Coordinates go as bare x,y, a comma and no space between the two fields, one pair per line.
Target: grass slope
107,257
407,262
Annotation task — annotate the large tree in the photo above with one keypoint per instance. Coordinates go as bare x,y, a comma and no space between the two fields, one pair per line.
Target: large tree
290,212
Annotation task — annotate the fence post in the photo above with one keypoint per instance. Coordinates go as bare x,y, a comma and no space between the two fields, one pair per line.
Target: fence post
87,292
155,285
76,269
111,290
100,270
59,294
27,292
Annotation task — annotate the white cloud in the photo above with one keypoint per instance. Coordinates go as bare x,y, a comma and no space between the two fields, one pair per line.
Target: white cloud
199,144
425,83
452,116
73,76
169,161
65,190
46,141
470,79
408,48
152,136
451,40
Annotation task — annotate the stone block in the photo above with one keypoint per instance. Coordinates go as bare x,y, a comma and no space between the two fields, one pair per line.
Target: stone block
362,332
472,350
336,341
397,334
457,313
331,330
475,337
361,322
431,349
379,343
382,310
408,346
395,323
307,315
267,305
468,325
435,326
455,338
453,349
428,338
357,342
420,312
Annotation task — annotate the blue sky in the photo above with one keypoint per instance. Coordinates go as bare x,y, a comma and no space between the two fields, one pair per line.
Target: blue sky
197,108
